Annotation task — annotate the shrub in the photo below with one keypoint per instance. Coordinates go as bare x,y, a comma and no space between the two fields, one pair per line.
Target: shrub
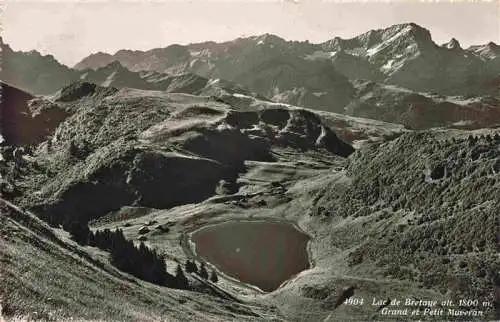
203,271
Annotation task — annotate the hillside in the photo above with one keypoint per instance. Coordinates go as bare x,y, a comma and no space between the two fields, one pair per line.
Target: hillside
22,123
419,110
159,165
33,72
435,197
204,138
61,280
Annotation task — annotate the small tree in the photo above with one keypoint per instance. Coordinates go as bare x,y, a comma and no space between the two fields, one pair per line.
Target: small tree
213,276
79,232
203,271
191,267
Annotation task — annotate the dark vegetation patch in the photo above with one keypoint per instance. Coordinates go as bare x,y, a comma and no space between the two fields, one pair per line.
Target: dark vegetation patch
199,111
141,261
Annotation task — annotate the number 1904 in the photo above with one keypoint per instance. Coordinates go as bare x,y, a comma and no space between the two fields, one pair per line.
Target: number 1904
354,301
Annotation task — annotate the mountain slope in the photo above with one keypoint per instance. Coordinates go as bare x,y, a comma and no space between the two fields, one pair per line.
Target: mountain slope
73,275
95,61
34,73
197,140
21,122
115,75
267,65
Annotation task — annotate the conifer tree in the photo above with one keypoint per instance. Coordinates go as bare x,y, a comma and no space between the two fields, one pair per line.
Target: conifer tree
79,232
203,271
213,276
180,279
191,267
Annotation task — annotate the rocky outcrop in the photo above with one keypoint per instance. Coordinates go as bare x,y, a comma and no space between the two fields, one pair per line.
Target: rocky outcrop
21,122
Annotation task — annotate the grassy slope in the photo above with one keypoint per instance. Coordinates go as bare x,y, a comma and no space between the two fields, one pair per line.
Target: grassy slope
403,218
46,277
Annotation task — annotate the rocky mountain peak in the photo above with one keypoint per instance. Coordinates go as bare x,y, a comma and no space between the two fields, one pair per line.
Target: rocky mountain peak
269,39
452,44
493,48
408,30
492,45
81,89
488,51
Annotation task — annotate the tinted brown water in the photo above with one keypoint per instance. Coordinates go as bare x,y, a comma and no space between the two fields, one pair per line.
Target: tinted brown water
261,253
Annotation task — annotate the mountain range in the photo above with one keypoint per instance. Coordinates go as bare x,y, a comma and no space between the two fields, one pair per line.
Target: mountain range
332,76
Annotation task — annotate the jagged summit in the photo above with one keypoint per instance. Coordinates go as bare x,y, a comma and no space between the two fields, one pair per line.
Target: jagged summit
491,45
452,44
375,37
488,51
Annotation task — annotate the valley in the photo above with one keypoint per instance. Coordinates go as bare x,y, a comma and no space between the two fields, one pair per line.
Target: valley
270,183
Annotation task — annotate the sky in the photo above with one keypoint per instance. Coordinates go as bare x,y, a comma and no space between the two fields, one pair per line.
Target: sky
71,30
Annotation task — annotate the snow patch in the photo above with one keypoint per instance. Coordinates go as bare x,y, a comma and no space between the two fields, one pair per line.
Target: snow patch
388,65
